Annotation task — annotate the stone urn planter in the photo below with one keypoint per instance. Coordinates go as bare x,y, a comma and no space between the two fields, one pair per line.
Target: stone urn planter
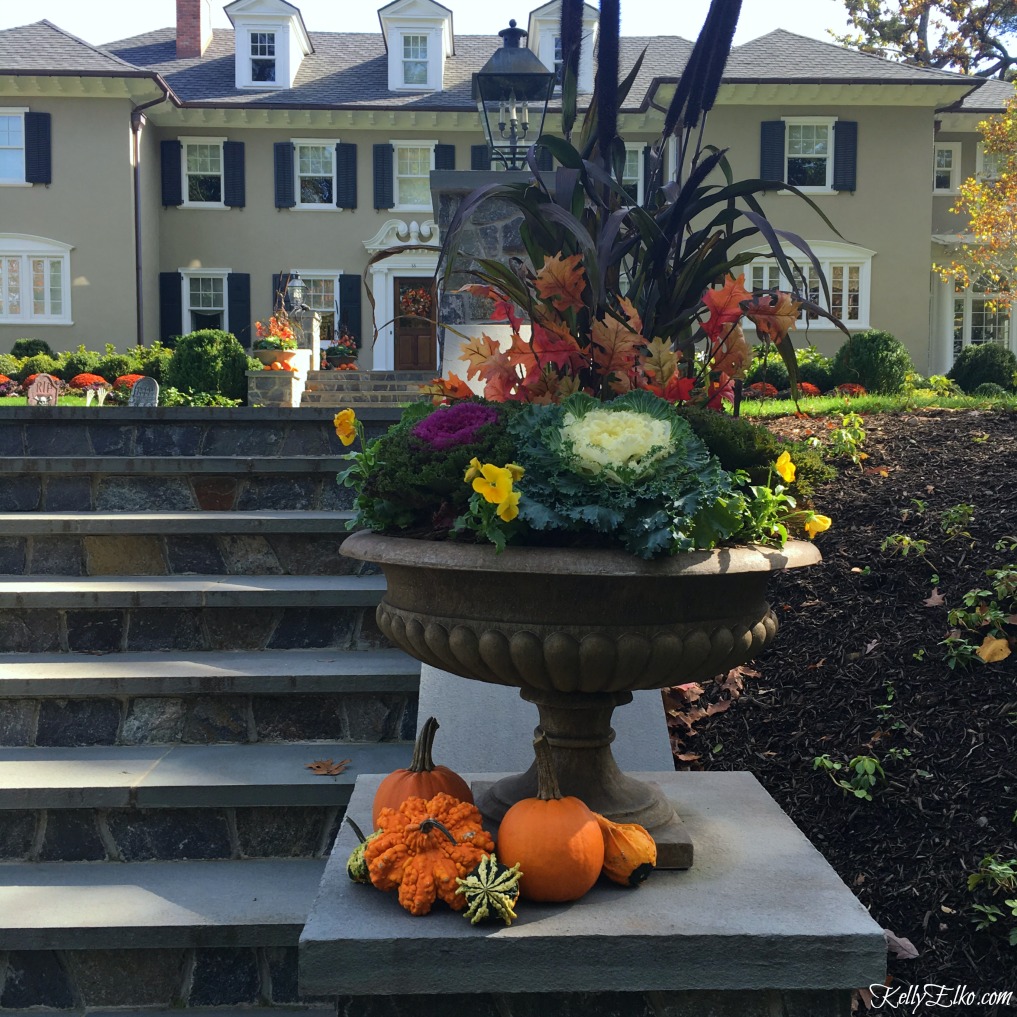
577,631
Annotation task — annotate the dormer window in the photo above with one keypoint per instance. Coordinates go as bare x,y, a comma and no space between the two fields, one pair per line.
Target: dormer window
558,61
415,60
544,39
263,56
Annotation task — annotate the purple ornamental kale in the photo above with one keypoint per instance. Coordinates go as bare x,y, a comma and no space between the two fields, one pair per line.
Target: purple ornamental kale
455,425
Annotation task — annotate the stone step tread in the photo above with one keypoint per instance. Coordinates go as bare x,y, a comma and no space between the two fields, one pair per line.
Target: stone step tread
127,591
82,906
22,524
156,465
253,775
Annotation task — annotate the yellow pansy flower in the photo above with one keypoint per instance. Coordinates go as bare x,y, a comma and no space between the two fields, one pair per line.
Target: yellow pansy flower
494,483
345,422
516,471
817,523
472,471
786,469
509,508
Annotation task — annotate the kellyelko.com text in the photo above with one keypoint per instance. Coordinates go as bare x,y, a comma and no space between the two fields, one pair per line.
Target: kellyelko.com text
916,997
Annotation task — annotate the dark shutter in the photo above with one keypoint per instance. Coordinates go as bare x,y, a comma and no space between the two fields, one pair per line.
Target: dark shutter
444,157
480,157
172,186
647,167
234,186
349,306
384,185
170,305
284,175
771,150
845,154
544,159
38,149
238,305
346,175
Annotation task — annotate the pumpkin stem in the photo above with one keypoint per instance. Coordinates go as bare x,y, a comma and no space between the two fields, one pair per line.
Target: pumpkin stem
356,830
422,761
433,824
547,781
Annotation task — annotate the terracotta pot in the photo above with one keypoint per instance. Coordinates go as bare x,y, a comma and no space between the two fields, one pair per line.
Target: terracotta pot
335,359
271,356
577,631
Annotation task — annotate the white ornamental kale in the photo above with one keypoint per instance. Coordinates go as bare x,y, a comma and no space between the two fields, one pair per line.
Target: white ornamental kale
616,442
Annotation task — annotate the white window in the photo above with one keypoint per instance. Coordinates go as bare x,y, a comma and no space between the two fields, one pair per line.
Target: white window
808,152
262,53
988,165
558,62
977,318
847,269
415,60
412,167
946,167
202,167
315,173
204,299
34,280
632,172
321,294
12,145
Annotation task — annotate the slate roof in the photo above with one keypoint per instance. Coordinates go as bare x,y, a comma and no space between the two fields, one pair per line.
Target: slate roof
44,46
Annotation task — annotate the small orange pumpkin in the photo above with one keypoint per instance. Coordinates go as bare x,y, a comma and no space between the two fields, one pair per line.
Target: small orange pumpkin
630,853
421,780
555,840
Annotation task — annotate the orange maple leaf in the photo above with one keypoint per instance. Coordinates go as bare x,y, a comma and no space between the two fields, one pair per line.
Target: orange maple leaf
725,305
327,768
477,352
630,314
562,281
774,314
553,343
452,387
615,346
659,360
731,353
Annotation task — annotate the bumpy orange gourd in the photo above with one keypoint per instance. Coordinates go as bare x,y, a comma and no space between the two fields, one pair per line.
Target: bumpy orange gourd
630,853
423,848
421,780
556,841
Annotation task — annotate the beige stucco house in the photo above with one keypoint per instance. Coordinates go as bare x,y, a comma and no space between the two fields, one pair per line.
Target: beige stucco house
167,181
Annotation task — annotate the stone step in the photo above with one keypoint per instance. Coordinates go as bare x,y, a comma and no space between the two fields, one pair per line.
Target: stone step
251,776
358,400
21,524
161,465
220,673
137,905
403,377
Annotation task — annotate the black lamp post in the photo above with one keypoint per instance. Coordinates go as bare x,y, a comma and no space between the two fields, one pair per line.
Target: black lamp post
512,91
295,290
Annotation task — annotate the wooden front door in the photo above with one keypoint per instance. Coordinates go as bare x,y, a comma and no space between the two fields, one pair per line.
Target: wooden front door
415,335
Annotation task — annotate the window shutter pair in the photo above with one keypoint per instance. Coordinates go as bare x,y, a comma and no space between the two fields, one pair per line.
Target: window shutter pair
384,170
38,149
845,152
234,190
345,171
238,305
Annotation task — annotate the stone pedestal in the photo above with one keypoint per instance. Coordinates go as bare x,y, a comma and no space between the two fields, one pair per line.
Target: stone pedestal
759,923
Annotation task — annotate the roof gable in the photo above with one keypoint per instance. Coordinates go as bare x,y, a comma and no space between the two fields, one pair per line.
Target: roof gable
43,46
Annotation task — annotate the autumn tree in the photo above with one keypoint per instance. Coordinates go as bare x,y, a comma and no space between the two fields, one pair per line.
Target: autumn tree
972,36
990,204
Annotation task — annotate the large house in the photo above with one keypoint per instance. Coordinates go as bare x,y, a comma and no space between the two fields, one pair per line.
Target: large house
166,182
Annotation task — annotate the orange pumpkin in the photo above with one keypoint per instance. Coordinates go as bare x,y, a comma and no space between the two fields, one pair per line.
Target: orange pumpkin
423,848
555,840
630,853
421,780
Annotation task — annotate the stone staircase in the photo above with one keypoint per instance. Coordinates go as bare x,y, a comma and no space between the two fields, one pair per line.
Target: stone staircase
379,389
179,639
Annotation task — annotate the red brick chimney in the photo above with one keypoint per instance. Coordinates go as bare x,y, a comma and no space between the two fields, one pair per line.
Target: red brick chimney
194,27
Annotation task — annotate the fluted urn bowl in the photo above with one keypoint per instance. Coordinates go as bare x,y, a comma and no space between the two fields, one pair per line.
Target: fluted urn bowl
577,631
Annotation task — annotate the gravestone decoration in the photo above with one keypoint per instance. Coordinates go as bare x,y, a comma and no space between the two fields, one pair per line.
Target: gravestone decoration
42,391
144,393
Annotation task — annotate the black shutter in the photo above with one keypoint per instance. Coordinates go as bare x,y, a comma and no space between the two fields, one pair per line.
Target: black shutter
284,175
845,154
38,149
544,159
170,305
346,175
384,185
771,150
444,157
238,305
172,186
234,182
349,306
480,157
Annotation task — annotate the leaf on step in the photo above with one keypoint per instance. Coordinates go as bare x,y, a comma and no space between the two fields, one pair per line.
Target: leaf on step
327,768
901,948
936,599
993,649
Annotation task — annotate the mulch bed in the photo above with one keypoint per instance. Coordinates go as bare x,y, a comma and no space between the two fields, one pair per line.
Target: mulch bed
856,670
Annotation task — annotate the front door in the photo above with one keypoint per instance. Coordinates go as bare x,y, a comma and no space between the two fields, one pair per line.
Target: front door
415,343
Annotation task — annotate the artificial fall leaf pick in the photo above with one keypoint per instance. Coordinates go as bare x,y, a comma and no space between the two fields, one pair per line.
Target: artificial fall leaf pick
327,768
561,282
